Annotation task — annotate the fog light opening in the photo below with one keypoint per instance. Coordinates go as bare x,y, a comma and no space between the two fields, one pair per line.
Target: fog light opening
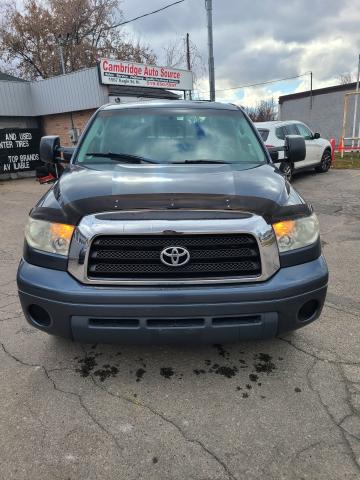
308,311
39,315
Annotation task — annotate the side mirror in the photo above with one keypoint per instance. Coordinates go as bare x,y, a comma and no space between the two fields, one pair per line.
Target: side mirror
274,154
316,136
52,153
295,148
67,153
49,149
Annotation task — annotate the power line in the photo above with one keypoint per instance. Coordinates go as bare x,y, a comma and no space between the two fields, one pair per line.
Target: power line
145,15
260,83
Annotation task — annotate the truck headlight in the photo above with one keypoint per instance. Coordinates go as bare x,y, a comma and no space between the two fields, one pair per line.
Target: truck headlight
48,236
292,234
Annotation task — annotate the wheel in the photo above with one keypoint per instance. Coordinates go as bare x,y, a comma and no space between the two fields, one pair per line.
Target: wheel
286,168
325,163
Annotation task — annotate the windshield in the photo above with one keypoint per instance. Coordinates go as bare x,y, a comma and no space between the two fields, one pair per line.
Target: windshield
168,136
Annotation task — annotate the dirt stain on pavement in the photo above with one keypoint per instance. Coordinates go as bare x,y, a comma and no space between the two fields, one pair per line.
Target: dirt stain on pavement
87,365
221,351
262,364
167,372
139,374
225,370
106,372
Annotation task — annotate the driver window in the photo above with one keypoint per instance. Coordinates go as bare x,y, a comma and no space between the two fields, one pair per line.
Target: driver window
304,131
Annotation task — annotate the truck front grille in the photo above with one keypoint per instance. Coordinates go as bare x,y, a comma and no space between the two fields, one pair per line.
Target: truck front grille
138,256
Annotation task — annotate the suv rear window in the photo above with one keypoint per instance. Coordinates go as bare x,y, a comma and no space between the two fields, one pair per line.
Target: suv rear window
264,133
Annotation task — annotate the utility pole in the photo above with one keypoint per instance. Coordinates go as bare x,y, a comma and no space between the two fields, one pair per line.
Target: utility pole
188,59
356,107
208,6
61,41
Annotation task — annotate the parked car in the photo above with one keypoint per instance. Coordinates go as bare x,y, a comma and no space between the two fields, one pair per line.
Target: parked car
318,150
171,223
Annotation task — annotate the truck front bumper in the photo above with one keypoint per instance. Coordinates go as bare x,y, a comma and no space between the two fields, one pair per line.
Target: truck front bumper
56,303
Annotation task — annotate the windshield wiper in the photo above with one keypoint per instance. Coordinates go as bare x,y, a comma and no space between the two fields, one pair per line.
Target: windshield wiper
121,157
203,161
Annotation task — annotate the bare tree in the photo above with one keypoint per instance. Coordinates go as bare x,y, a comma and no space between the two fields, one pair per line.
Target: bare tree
31,38
345,78
264,111
174,55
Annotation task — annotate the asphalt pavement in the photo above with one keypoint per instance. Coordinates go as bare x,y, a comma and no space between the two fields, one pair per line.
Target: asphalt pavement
286,408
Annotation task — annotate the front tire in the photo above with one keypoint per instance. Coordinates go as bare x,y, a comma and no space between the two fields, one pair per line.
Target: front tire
325,163
286,168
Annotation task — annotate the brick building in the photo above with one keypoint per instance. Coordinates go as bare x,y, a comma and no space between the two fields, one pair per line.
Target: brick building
60,105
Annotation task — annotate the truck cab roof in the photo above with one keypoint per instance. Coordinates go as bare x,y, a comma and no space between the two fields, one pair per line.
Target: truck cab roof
186,104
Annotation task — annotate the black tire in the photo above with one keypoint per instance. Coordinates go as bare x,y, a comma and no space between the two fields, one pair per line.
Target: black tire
325,163
287,168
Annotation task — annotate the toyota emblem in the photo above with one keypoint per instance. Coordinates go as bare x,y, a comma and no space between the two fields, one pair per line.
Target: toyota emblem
175,256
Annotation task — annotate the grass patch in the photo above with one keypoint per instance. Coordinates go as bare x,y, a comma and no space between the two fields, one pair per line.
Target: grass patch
351,160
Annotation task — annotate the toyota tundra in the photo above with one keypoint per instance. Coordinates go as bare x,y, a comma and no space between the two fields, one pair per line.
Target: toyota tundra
169,223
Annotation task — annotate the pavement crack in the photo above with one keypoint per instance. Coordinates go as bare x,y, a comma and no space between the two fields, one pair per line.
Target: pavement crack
9,318
8,304
66,392
174,424
308,447
313,355
342,310
342,430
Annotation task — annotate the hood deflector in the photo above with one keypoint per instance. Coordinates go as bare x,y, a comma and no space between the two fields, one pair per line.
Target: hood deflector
211,188
215,206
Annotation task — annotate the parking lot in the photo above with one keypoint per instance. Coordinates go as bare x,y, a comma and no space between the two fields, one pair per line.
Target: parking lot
287,408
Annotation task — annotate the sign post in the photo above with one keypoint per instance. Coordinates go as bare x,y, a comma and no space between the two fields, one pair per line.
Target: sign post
117,72
19,150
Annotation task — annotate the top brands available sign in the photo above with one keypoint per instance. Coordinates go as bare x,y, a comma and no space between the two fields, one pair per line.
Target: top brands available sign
19,149
117,72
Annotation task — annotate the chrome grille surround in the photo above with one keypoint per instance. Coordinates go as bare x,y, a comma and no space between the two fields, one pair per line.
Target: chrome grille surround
95,225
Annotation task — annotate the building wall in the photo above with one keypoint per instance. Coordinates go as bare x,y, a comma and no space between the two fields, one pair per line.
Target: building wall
325,116
65,93
60,124
69,93
15,99
19,122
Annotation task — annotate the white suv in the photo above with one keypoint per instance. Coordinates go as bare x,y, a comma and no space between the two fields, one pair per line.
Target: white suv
318,150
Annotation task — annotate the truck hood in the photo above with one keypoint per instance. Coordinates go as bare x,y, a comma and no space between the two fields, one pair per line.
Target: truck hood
82,191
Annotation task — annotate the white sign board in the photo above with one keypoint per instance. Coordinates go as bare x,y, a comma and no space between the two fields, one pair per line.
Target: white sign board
117,72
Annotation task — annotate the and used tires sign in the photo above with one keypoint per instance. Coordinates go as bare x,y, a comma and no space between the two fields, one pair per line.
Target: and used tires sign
19,149
117,72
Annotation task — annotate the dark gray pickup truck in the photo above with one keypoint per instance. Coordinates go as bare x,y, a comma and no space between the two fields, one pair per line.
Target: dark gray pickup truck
171,223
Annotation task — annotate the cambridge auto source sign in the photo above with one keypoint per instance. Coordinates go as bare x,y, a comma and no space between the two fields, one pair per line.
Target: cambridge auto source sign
117,72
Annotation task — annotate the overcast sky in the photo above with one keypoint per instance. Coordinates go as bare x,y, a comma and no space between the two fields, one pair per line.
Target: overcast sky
256,41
